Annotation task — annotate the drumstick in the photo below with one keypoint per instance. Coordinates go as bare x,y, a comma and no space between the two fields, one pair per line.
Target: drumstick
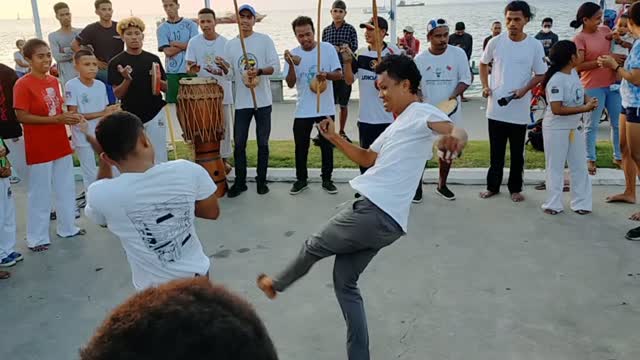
171,135
376,30
244,51
318,93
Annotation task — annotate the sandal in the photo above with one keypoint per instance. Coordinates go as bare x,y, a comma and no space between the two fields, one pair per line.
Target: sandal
39,248
4,275
551,212
80,232
582,212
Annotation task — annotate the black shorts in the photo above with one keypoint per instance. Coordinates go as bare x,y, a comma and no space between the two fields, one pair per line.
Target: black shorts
341,93
632,113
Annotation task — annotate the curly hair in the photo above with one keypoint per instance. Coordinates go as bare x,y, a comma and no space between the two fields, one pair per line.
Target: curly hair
183,319
130,22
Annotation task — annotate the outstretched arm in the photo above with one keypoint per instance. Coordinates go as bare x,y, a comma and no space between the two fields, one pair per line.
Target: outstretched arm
362,157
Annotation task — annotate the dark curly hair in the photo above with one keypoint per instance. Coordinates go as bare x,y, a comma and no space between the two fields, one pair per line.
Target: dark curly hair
399,68
183,319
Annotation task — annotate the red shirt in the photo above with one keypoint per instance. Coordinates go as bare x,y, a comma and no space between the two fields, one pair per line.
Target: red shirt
46,142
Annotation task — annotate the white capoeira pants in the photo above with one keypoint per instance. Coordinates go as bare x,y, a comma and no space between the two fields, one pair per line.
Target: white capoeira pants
560,147
85,153
17,157
225,145
156,131
7,219
55,175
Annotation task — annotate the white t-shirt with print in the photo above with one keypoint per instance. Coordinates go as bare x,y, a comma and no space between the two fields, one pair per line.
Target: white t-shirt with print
371,108
203,52
403,150
153,214
567,89
88,99
441,74
305,72
514,64
262,54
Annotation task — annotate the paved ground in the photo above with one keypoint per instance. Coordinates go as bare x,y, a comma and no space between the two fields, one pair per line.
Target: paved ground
474,279
474,121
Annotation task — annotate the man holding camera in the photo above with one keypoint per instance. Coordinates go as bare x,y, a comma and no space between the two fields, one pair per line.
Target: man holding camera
518,66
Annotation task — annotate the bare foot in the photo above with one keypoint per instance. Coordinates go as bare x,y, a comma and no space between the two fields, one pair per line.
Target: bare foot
487,194
517,197
635,217
551,212
591,166
265,284
621,198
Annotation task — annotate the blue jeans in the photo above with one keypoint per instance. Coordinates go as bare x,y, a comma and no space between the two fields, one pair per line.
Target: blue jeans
612,101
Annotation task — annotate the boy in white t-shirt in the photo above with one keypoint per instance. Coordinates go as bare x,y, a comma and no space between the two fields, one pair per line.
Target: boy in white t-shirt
517,67
445,76
376,220
150,207
205,58
303,76
87,97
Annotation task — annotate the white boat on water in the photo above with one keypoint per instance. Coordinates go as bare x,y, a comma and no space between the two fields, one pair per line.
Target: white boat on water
403,3
381,9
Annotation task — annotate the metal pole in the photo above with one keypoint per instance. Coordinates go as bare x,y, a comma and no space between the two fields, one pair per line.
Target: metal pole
207,4
392,19
36,18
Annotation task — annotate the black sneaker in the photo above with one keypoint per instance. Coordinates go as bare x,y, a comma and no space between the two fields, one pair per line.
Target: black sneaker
263,188
446,193
417,198
633,234
329,187
236,190
298,187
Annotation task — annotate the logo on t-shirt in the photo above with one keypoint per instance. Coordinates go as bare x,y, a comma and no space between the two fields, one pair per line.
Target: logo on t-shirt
84,99
52,101
244,64
308,76
555,90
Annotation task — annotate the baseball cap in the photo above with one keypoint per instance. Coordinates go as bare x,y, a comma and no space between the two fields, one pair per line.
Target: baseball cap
460,26
382,24
247,7
436,23
408,29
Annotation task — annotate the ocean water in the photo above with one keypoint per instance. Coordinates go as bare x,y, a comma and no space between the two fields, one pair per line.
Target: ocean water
477,16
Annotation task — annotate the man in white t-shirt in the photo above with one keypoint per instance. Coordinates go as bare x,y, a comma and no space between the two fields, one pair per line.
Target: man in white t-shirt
205,58
88,97
380,216
262,61
150,207
517,67
445,76
303,76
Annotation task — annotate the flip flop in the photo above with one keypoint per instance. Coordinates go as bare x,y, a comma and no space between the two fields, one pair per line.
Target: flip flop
39,248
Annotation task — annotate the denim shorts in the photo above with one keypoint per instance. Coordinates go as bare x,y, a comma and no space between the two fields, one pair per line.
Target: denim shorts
632,113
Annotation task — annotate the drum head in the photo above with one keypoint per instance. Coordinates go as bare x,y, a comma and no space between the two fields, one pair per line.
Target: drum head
448,106
198,81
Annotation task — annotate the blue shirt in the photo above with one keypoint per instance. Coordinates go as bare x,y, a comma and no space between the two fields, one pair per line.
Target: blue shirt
629,92
181,31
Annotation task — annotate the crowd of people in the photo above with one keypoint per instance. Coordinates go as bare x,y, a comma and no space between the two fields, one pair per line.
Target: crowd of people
113,114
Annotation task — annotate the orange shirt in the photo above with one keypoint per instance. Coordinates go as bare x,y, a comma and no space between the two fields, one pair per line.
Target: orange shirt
595,45
46,142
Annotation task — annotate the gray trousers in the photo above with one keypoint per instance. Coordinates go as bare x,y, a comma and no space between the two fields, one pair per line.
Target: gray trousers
354,236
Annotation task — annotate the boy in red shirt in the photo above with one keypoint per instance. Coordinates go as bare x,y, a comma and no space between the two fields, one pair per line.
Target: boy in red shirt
38,105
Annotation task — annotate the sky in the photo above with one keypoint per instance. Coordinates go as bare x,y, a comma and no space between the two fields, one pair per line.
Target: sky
11,8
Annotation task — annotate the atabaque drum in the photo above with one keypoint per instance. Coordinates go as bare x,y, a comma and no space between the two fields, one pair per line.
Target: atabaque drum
199,110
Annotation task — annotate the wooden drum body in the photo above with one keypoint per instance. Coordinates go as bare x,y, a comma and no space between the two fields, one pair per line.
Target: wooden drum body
200,112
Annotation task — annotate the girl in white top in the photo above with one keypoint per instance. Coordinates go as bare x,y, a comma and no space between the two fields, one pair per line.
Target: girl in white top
22,66
563,142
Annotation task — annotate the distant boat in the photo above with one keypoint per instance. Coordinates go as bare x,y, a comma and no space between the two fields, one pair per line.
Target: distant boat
381,9
228,18
403,3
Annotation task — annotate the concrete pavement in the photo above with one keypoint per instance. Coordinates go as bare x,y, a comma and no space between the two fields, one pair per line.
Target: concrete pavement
473,120
474,279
